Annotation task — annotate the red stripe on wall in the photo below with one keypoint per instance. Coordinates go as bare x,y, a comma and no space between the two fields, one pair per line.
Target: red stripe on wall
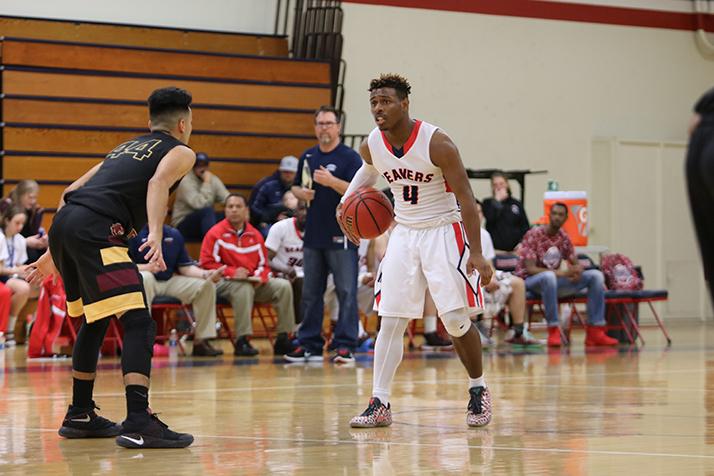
561,11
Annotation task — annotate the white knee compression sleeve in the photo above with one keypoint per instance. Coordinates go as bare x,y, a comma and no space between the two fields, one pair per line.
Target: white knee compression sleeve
457,322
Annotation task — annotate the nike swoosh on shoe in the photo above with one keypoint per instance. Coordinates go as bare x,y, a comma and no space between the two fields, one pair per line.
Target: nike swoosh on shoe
139,442
86,419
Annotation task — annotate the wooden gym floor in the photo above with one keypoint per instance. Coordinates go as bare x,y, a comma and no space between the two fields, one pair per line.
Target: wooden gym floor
576,413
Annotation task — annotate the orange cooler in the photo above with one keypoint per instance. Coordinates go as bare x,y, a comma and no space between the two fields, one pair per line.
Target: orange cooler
576,226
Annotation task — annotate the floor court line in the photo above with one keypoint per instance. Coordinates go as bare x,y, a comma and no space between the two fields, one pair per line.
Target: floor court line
415,444
515,380
446,445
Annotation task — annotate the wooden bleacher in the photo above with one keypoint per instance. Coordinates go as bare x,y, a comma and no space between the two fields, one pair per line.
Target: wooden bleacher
157,61
148,36
66,104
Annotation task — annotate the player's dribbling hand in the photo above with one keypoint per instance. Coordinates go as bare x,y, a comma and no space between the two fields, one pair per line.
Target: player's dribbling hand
345,229
479,263
154,256
40,269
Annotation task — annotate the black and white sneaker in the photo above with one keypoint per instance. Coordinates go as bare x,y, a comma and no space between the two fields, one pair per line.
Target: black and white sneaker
342,356
85,423
150,432
302,355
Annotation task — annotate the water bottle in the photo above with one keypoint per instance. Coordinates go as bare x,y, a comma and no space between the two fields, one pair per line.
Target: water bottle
2,340
173,338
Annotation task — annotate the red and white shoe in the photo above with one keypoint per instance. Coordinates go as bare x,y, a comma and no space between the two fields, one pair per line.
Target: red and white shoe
376,415
479,409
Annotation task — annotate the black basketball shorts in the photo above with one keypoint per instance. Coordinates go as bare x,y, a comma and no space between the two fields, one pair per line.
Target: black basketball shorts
91,254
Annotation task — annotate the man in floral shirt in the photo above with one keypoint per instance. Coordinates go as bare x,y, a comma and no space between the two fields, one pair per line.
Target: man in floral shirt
543,250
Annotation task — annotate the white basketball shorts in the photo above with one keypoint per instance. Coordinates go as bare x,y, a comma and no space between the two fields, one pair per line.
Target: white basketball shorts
421,258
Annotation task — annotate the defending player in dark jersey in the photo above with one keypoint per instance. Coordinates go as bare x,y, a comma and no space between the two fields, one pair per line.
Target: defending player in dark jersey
88,247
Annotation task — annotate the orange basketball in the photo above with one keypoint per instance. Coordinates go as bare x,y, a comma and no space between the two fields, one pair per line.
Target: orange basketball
367,213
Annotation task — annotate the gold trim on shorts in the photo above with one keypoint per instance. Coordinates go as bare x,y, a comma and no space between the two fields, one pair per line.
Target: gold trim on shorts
114,305
114,254
75,308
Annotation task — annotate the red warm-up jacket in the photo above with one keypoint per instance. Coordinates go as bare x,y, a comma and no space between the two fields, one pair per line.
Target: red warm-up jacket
222,245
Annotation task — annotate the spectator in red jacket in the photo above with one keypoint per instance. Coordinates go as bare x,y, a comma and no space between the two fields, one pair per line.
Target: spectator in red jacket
239,246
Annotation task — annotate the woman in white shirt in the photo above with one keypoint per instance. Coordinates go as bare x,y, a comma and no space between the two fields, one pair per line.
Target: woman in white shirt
13,255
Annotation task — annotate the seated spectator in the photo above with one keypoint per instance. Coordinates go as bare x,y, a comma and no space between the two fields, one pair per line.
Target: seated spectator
542,252
284,243
506,218
193,213
267,201
290,201
13,271
237,245
25,195
184,281
505,289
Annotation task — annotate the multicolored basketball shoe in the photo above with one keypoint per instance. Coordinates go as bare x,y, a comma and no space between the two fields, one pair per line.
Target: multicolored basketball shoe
479,409
376,414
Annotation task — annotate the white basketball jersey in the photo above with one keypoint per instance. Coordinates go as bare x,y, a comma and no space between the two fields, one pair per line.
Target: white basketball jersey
422,198
285,240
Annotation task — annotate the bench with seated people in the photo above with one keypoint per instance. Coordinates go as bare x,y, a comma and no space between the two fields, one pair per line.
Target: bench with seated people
555,275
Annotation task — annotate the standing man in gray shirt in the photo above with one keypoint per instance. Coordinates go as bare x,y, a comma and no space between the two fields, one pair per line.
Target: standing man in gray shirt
193,213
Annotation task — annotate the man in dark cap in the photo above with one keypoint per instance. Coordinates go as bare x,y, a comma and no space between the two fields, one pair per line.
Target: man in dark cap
700,180
193,213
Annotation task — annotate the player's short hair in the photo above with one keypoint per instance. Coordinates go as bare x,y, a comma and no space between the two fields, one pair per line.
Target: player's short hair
328,109
239,195
560,204
166,103
394,81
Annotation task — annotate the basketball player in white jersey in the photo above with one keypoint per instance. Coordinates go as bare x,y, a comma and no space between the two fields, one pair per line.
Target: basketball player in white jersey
284,243
436,245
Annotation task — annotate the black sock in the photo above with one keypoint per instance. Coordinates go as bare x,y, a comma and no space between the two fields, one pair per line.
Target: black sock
82,393
518,329
137,399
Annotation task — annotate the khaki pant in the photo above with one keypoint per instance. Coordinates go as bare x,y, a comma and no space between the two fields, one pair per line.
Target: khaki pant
200,293
242,294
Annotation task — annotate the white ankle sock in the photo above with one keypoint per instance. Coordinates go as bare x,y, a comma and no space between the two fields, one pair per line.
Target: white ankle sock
477,382
388,352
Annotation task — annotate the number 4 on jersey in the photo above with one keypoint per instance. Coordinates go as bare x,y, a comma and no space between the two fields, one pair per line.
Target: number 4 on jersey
411,194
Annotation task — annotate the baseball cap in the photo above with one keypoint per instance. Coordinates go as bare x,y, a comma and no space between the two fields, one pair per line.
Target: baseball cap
201,159
288,163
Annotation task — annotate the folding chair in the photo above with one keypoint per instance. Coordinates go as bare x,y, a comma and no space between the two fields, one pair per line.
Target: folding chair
263,311
71,325
165,311
221,304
